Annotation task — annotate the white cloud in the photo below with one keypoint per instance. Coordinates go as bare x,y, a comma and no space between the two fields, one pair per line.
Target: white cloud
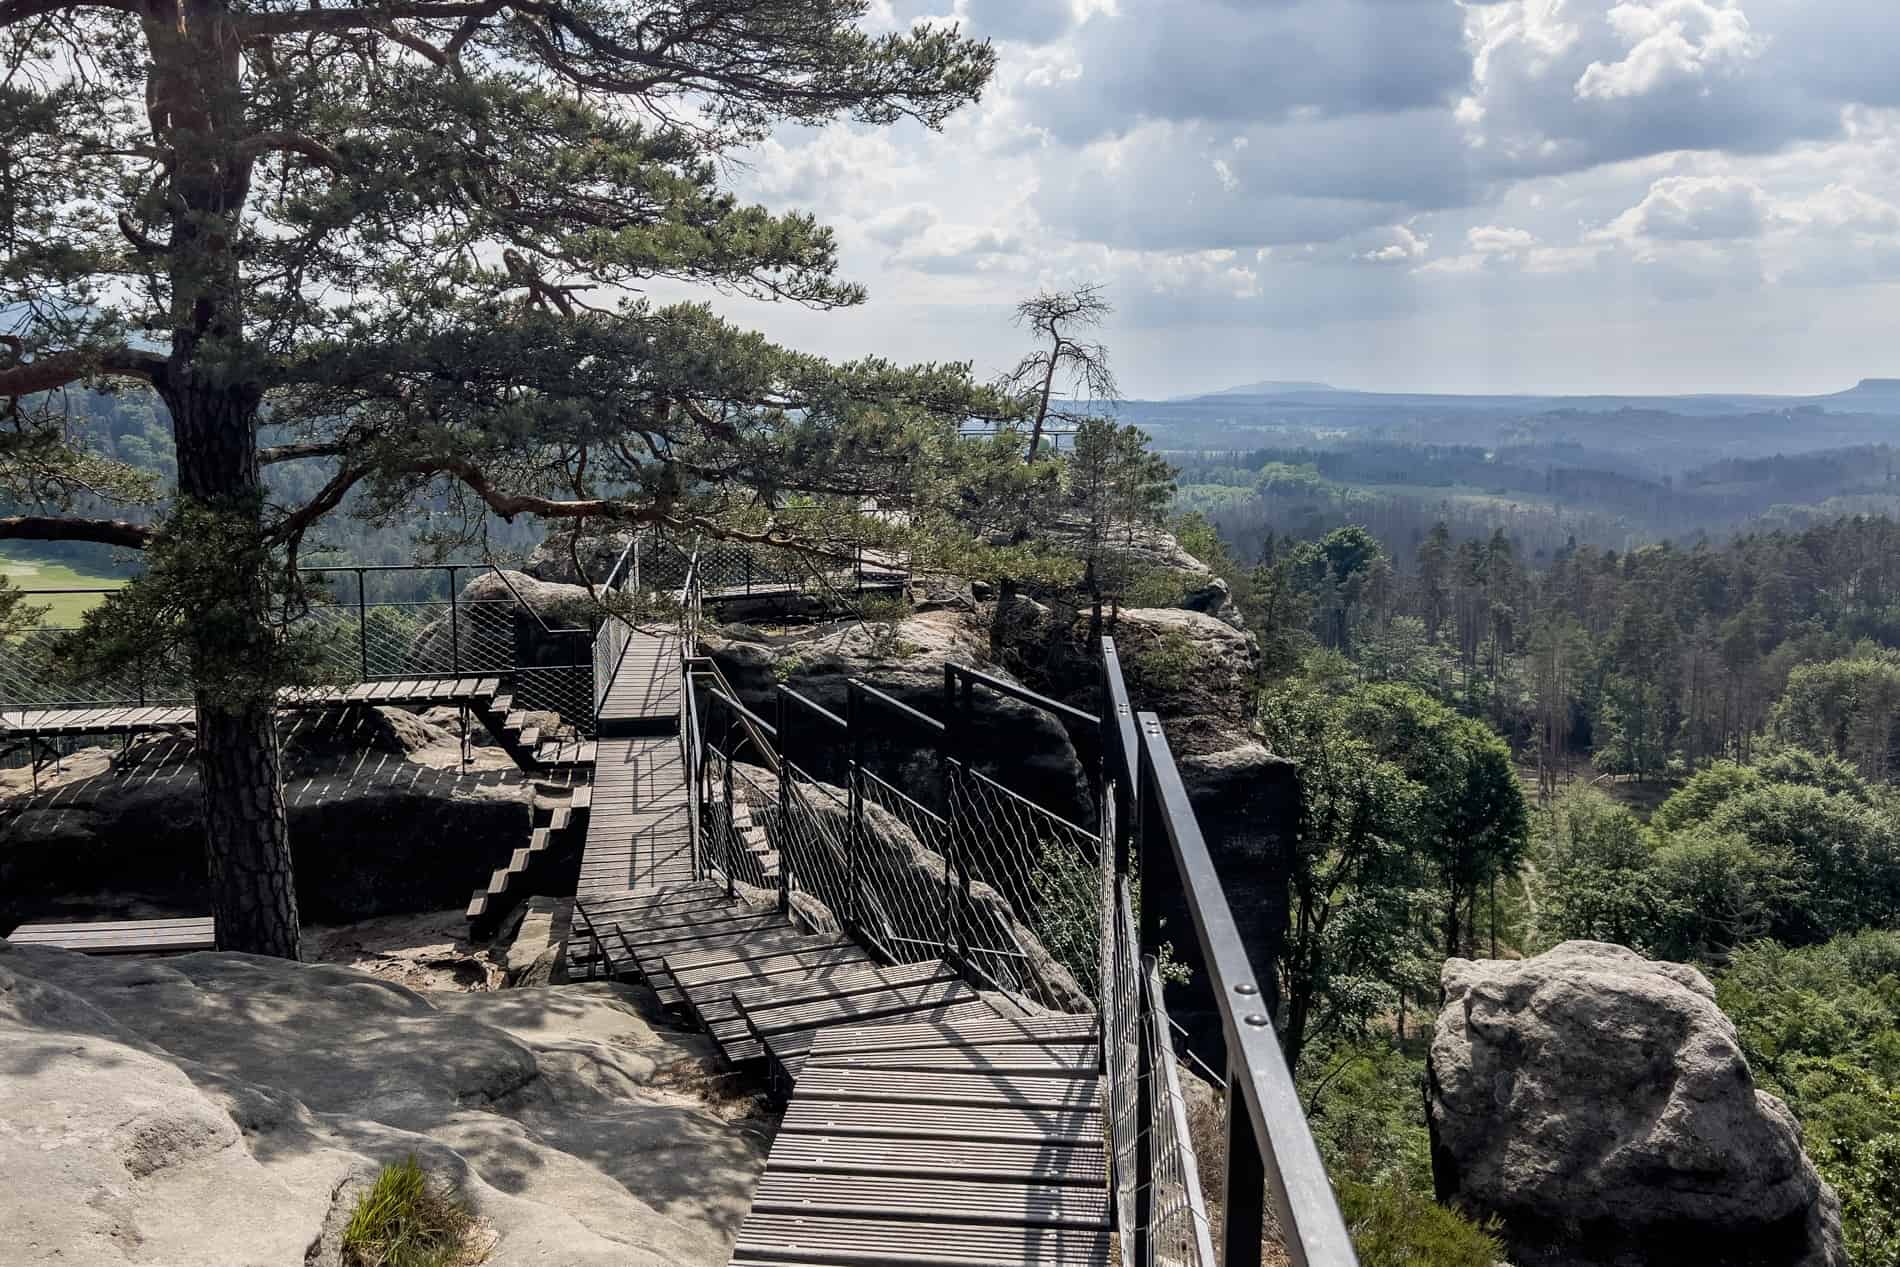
1490,239
1667,41
1693,209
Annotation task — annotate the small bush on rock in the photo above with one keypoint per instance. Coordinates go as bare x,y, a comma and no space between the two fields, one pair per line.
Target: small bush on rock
1395,1225
406,1220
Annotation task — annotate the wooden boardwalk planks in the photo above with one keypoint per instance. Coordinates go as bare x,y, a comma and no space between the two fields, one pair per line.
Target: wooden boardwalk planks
113,719
947,1160
126,937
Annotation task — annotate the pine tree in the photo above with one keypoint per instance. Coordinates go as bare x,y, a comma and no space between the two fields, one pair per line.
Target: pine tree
403,235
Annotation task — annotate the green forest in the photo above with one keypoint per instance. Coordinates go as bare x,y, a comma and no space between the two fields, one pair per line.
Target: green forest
1687,751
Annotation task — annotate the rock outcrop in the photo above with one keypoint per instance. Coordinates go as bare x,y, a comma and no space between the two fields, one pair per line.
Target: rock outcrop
1025,747
217,1109
1599,1104
384,818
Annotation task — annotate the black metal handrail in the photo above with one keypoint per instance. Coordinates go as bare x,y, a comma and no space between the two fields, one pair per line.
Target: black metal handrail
1270,1149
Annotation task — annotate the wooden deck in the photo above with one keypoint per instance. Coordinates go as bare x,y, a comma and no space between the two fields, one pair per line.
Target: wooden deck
923,1126
126,937
971,1140
643,696
132,719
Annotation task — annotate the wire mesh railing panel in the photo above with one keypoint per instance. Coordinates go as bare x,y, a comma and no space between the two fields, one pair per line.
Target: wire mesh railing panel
33,676
1048,871
1160,1209
752,802
563,695
904,890
813,845
1121,1035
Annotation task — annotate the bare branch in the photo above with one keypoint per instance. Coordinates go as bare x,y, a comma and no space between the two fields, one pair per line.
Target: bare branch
300,21
112,532
310,449
58,369
13,12
290,143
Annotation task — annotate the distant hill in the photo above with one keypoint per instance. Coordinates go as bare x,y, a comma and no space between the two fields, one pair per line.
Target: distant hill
1269,387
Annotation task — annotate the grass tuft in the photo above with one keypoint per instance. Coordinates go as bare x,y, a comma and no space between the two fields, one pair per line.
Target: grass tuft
405,1220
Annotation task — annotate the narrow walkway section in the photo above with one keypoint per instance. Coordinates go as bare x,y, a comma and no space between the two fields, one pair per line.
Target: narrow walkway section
123,937
967,1141
119,719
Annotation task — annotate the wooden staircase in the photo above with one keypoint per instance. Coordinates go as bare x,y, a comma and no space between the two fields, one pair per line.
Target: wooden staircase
555,842
523,740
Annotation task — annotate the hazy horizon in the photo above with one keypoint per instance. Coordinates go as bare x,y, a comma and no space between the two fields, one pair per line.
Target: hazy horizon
1638,197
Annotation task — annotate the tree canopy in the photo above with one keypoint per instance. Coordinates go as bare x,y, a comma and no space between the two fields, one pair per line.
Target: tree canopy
408,240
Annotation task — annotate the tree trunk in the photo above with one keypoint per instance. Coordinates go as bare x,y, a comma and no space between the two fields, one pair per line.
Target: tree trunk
211,388
246,844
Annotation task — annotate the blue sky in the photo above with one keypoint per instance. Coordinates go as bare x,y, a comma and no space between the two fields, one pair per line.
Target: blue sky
1470,195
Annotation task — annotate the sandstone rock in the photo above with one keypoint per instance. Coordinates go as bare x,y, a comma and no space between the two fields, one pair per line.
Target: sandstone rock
371,833
901,898
215,1110
535,956
1025,747
552,560
1600,1104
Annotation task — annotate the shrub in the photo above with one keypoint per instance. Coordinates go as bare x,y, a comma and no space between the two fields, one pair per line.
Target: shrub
406,1220
1394,1225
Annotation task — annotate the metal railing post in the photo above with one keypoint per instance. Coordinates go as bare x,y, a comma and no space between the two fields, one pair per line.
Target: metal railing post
362,628
951,755
1243,1200
784,809
455,625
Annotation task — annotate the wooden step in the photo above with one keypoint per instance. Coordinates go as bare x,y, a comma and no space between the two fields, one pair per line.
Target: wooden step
498,882
988,1162
530,738
850,1242
966,1087
503,704
1067,1128
519,860
944,1200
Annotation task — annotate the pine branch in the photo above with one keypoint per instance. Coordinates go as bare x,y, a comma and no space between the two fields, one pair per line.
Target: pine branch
59,369
112,532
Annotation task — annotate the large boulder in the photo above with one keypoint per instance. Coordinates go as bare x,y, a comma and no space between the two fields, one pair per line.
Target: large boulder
1600,1105
218,1110
505,619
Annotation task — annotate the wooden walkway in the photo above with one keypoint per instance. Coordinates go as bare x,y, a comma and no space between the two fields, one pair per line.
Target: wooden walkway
123,937
130,719
923,1126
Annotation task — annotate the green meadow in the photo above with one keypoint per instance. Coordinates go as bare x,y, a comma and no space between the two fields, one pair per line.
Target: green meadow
62,609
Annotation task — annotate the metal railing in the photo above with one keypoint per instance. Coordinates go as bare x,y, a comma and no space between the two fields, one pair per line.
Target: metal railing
1270,1154
364,623
955,865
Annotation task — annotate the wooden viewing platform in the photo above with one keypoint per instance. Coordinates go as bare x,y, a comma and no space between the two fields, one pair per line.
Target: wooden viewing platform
124,937
120,719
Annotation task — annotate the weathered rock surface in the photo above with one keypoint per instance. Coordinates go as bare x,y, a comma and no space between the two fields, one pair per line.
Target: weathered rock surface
901,890
377,825
223,1110
1025,747
1600,1104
